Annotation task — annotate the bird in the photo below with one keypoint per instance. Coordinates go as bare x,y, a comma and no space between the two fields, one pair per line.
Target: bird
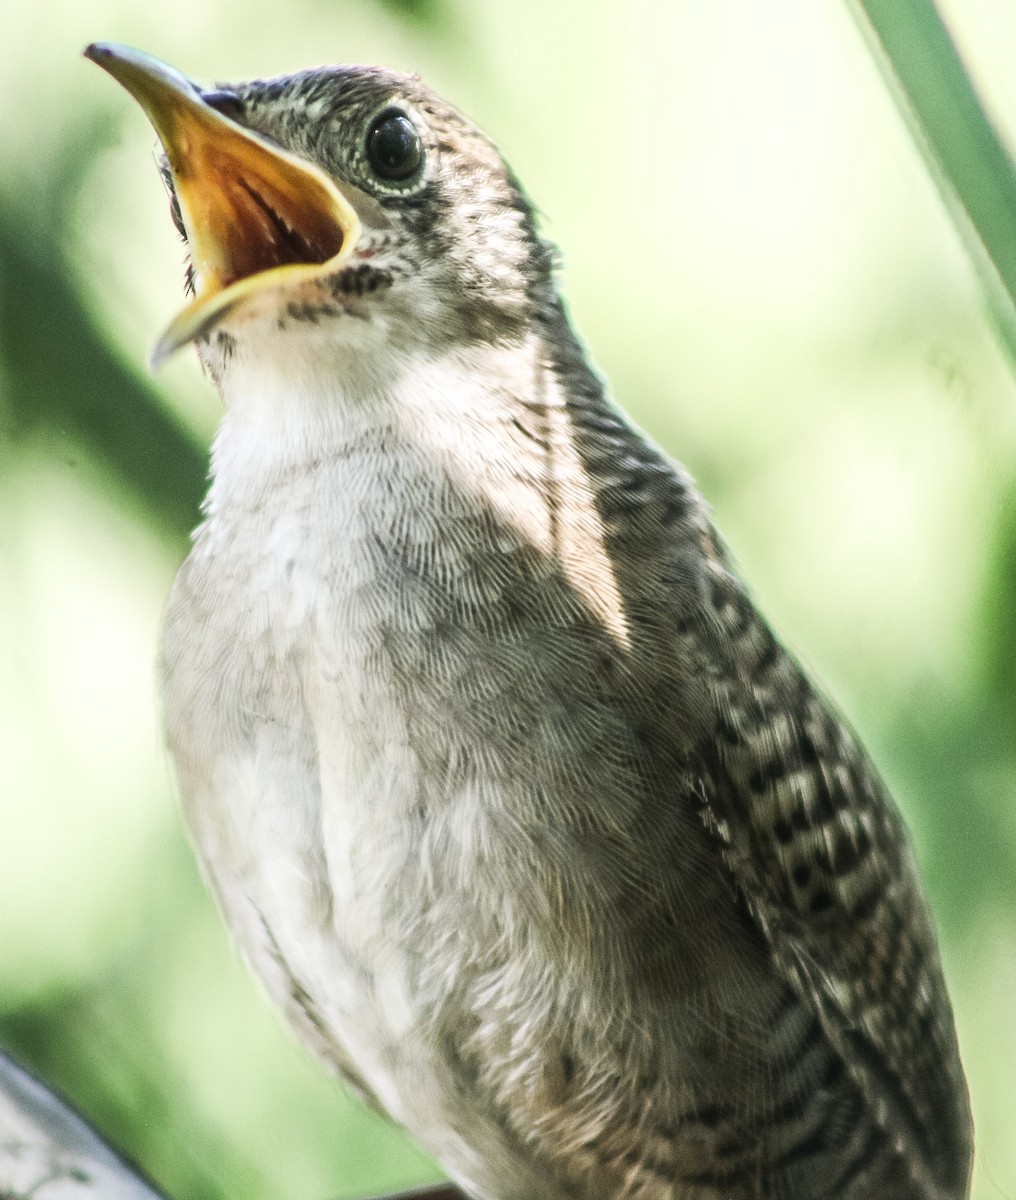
526,819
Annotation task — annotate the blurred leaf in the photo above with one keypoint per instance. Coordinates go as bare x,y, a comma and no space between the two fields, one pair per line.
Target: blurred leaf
952,762
418,12
998,617
963,149
61,373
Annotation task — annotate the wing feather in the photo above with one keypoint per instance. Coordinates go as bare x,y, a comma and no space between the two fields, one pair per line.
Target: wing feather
818,851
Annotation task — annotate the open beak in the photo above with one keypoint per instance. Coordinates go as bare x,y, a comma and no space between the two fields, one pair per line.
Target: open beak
256,216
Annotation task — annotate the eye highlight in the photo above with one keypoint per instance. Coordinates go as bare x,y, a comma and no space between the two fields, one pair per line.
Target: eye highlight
394,148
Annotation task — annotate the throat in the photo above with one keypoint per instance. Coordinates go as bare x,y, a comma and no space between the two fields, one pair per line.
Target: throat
473,453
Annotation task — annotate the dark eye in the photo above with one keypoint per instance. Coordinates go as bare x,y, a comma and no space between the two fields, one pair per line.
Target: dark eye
393,145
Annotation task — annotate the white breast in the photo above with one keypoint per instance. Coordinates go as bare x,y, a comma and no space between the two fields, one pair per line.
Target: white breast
289,752
295,753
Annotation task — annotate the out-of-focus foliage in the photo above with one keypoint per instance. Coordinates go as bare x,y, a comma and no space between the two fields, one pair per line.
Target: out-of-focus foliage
962,148
756,255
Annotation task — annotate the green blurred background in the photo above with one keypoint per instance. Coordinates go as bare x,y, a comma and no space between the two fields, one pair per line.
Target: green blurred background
754,251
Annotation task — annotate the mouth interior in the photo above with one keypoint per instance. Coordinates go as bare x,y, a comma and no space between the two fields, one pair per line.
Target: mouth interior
260,223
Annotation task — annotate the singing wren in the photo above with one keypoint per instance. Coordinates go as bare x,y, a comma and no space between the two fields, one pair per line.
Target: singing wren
508,793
